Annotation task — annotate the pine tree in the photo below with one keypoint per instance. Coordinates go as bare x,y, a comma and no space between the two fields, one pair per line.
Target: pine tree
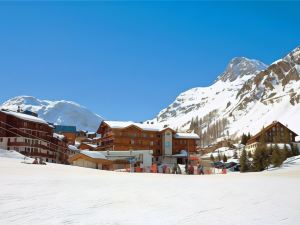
224,158
295,150
244,139
212,158
261,159
219,157
276,158
249,154
287,152
248,136
244,162
235,155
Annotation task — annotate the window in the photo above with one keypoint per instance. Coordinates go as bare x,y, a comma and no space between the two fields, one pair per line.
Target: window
151,143
1,139
15,139
167,144
132,141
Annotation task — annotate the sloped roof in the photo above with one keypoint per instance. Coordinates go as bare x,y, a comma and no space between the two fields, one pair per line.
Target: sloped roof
125,124
266,129
25,117
93,154
186,136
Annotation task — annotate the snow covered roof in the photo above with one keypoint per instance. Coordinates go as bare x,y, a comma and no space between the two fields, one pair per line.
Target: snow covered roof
183,153
58,136
186,135
93,154
73,148
91,145
25,117
124,124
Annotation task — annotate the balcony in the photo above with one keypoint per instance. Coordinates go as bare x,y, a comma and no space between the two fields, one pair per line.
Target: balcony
25,144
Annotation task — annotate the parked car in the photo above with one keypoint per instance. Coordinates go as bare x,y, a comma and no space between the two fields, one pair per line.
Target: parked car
230,165
218,165
235,168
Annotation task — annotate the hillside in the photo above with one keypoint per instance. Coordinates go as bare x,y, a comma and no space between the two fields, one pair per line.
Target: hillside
57,112
246,97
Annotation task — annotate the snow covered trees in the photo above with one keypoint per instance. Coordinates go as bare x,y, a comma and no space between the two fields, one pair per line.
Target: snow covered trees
208,127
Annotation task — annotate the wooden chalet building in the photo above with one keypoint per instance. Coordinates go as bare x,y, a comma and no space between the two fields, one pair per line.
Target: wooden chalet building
69,132
273,133
31,136
165,142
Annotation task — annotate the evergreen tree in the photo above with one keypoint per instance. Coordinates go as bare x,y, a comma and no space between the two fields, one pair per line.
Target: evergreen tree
261,159
295,150
249,154
248,136
276,157
235,155
287,152
212,158
244,139
244,162
224,158
219,157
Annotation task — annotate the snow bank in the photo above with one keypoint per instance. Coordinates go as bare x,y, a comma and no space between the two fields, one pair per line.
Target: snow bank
12,154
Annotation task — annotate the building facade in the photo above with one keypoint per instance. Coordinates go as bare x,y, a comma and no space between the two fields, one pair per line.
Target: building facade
163,141
273,133
32,137
69,132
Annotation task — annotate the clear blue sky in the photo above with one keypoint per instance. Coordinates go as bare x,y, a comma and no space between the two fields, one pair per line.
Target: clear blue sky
127,61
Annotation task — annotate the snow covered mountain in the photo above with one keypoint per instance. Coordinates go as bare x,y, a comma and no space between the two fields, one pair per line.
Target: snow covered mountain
246,97
57,112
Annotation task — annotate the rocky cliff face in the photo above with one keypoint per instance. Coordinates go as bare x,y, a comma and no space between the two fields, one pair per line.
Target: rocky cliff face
247,96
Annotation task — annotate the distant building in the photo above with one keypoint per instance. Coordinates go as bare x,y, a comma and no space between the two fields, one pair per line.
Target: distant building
31,136
165,142
68,131
113,160
274,133
91,159
87,146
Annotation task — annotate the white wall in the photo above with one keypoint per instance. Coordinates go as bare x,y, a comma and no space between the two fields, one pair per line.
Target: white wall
85,163
167,142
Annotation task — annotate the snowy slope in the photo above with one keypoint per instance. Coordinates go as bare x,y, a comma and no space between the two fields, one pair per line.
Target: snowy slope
57,112
60,194
14,155
249,95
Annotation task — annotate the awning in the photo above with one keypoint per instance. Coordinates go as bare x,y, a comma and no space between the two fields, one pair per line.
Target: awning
182,154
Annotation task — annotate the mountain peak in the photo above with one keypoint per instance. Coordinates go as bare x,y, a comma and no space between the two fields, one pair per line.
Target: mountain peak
58,112
293,56
241,66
